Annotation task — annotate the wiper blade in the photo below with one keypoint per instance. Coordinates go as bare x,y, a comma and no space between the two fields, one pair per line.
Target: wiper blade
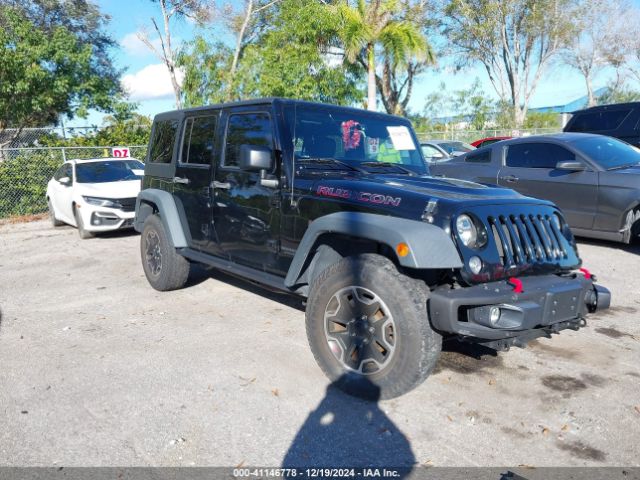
388,164
619,167
330,160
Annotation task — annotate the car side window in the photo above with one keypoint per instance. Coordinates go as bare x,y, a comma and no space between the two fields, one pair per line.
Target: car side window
598,121
430,151
480,157
198,140
164,137
246,129
58,175
64,171
537,155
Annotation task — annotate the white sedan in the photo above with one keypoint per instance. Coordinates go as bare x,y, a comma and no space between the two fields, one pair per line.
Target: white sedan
95,195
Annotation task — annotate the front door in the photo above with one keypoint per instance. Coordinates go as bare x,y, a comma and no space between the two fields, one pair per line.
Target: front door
245,212
530,169
191,184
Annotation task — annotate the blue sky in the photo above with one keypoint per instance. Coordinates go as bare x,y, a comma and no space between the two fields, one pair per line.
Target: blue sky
150,87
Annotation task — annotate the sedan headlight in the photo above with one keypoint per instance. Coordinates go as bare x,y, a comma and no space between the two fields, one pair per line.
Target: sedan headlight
101,202
472,233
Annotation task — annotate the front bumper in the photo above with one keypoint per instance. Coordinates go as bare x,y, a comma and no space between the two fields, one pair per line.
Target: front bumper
547,304
102,219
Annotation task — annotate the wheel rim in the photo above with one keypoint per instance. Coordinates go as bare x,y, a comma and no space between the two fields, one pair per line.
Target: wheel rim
360,330
153,254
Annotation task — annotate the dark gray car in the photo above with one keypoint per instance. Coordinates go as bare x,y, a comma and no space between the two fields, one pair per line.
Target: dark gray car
594,179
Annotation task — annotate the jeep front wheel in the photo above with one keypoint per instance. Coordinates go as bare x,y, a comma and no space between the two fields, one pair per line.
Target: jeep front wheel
368,327
164,267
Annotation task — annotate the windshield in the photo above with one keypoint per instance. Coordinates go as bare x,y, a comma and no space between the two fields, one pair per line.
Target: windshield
356,139
451,147
608,152
109,171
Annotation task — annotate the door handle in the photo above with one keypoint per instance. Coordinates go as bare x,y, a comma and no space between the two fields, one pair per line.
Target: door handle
186,181
224,185
509,178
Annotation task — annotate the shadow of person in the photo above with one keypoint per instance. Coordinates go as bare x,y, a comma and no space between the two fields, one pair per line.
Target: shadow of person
345,431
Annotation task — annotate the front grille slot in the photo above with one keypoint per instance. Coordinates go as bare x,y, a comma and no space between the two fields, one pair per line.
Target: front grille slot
127,204
523,239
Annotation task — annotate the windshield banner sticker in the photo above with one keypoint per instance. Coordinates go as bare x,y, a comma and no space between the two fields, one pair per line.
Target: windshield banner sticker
401,138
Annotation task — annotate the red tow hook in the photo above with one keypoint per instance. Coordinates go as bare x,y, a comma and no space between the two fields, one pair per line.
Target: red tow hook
517,285
588,275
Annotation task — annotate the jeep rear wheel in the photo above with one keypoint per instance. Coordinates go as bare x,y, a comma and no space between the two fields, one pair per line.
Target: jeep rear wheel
368,327
164,267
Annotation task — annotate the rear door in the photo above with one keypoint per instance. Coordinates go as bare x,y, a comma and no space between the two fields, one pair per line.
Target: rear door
530,169
478,166
193,176
246,213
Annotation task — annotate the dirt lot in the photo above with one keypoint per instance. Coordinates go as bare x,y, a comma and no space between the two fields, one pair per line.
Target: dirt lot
97,368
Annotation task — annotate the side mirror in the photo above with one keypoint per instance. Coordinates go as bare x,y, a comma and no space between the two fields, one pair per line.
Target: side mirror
255,157
66,181
570,165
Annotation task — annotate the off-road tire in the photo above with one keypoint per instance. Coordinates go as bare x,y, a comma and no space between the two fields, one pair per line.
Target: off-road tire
52,216
173,270
84,234
417,345
632,226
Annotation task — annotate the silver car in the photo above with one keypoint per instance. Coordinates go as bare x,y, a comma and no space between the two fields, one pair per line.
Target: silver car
594,179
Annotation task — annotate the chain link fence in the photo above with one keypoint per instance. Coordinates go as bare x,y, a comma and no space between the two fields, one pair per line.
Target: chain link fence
469,136
24,173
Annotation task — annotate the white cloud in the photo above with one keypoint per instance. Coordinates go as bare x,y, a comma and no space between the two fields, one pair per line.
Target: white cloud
133,46
152,82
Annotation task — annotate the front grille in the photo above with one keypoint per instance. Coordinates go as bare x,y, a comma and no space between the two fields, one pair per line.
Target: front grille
127,204
530,238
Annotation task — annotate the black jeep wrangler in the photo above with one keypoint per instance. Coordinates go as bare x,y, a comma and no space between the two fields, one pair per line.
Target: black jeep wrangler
336,204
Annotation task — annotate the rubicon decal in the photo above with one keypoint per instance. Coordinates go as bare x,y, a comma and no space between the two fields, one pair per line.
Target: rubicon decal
367,197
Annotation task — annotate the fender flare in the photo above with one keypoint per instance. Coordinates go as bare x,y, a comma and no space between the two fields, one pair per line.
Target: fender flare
153,199
429,245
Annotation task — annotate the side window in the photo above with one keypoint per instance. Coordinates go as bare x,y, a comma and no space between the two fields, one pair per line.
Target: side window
480,157
59,173
197,143
246,129
598,121
164,137
531,155
64,171
430,151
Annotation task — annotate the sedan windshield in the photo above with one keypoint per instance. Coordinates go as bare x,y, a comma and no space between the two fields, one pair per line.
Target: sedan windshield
608,152
357,140
108,171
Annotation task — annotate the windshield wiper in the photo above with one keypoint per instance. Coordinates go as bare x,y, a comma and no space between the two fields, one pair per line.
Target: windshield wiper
389,164
619,167
330,160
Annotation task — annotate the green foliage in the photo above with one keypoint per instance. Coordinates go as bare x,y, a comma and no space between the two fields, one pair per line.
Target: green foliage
23,181
46,72
470,105
289,59
542,120
616,93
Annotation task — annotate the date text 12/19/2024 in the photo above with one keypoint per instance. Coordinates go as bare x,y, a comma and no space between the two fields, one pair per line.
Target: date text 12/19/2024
317,472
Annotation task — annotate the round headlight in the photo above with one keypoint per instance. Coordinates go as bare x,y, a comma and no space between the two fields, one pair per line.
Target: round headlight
467,230
475,265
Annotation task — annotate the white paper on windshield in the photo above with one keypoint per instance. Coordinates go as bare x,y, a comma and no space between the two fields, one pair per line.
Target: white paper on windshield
401,138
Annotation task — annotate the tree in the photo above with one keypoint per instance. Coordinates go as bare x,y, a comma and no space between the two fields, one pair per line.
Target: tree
47,71
292,55
603,41
514,40
195,10
376,24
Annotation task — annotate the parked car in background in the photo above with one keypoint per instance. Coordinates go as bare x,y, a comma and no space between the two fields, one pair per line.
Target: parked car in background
443,150
620,120
483,142
594,179
95,195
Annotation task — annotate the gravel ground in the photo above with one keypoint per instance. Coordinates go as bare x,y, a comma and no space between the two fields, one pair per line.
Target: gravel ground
99,369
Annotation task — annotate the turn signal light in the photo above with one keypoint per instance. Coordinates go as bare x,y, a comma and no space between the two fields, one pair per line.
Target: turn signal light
402,249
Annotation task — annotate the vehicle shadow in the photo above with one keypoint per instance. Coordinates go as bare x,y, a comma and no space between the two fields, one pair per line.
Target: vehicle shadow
126,232
348,432
200,273
633,247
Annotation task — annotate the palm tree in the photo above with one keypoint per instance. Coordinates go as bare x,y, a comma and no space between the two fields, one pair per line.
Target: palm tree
373,23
